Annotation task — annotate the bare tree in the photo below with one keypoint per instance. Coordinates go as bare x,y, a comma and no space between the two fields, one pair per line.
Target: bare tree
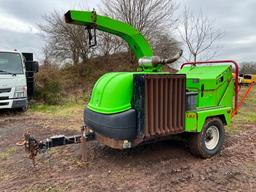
165,46
199,35
46,61
108,44
65,41
150,17
248,68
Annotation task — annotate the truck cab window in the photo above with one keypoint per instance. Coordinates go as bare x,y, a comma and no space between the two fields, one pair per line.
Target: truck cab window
10,63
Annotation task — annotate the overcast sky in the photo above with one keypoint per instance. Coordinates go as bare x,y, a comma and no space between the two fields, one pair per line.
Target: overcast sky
237,19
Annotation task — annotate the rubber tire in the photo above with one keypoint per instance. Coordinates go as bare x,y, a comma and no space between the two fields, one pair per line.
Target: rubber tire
197,140
22,109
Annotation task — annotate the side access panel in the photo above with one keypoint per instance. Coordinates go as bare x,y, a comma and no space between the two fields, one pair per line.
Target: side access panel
214,112
160,104
195,119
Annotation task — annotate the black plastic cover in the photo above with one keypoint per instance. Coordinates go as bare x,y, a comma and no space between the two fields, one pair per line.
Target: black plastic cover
31,69
120,126
28,56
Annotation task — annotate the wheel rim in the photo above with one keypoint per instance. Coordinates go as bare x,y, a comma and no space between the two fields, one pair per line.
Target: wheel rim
212,137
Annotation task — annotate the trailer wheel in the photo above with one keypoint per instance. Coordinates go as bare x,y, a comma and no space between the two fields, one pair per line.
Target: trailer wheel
210,141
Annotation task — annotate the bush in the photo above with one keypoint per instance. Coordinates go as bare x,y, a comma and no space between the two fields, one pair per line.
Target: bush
49,88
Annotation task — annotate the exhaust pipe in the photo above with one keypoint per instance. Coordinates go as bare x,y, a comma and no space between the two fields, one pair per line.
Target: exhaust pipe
156,60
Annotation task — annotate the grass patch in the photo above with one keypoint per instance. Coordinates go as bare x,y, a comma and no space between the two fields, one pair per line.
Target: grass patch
6,154
66,110
246,114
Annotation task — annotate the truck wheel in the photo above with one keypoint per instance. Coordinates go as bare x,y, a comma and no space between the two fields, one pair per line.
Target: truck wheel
22,109
210,141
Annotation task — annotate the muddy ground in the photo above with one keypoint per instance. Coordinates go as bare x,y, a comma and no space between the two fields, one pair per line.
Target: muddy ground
165,166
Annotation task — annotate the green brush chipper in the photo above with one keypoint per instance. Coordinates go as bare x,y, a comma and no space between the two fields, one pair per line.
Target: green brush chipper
127,109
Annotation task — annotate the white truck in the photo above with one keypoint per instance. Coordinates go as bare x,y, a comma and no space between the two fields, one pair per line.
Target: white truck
16,79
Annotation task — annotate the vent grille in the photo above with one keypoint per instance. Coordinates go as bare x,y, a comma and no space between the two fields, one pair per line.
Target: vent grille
5,90
3,104
4,98
160,102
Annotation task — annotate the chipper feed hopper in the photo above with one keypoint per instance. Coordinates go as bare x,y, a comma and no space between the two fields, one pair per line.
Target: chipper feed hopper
127,109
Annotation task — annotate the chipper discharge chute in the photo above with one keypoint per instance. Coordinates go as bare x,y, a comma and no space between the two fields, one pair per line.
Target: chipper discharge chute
127,109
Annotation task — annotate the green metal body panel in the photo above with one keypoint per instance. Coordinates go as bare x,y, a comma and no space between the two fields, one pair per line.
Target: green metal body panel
113,92
215,88
132,36
203,114
191,119
194,120
211,83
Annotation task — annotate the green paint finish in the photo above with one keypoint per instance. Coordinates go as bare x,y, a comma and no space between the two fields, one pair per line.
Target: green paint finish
215,88
227,100
113,92
132,36
204,72
211,83
191,121
203,114
194,120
